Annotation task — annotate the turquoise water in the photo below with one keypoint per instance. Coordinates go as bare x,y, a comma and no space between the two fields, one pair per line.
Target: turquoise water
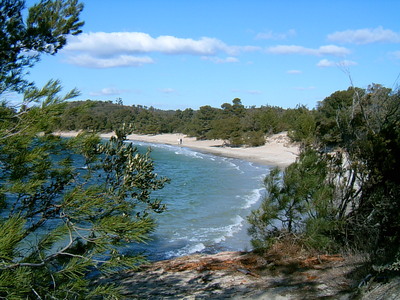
208,200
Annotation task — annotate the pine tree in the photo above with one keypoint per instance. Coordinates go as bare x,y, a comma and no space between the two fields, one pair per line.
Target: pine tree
68,207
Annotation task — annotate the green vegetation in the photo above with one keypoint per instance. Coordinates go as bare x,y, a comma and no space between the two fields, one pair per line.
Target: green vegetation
234,123
62,224
343,192
44,31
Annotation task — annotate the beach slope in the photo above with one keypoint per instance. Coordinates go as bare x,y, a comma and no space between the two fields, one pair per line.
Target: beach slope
277,151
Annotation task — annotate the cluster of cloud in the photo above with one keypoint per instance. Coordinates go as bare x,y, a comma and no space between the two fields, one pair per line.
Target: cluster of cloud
91,61
117,49
110,91
324,63
323,50
132,49
106,44
365,36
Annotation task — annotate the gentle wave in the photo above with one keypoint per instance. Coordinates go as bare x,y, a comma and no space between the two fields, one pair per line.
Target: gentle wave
253,198
178,150
189,249
230,230
208,201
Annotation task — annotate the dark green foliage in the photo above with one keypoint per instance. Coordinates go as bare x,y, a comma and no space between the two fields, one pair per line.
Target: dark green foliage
302,124
45,30
330,114
202,121
59,222
348,197
67,207
270,120
254,138
298,201
375,145
233,123
95,116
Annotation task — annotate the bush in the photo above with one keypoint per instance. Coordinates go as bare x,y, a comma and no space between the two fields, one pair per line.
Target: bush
254,138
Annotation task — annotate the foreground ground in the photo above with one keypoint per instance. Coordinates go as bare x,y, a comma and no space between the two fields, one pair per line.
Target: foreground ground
234,275
239,275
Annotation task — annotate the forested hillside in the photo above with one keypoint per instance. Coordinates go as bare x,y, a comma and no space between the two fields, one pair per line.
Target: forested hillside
235,123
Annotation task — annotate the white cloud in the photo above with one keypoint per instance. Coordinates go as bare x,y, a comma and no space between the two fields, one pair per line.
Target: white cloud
218,60
323,50
107,44
110,91
270,35
365,36
86,60
325,63
294,72
119,49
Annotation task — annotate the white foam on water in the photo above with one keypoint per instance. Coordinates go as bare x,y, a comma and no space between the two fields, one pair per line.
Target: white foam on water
253,197
188,249
230,230
231,163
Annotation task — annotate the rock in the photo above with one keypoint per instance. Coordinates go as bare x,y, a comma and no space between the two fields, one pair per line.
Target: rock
387,291
240,275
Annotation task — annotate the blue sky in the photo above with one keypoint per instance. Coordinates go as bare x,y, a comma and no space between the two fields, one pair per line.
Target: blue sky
180,54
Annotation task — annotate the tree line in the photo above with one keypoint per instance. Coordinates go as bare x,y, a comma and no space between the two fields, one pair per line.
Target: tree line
233,122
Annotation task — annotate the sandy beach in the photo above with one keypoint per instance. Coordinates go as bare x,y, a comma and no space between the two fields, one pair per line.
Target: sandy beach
277,151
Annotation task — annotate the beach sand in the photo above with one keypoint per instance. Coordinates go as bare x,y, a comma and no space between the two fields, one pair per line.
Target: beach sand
277,151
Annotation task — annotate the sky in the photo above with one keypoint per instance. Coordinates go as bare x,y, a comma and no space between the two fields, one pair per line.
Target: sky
180,54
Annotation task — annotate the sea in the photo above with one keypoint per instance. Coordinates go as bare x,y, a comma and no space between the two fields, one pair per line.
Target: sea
208,200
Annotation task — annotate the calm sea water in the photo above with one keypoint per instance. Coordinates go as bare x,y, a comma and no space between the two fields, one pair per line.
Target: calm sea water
208,200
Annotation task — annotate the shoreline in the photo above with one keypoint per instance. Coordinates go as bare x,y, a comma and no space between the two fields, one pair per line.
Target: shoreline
278,150
242,274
